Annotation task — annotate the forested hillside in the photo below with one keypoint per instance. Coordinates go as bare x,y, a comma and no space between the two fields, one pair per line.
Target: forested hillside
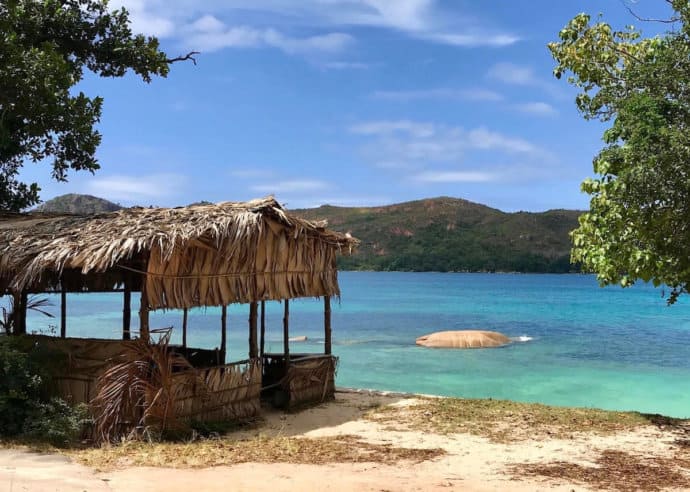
450,234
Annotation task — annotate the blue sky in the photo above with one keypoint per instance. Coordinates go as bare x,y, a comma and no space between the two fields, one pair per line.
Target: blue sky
348,102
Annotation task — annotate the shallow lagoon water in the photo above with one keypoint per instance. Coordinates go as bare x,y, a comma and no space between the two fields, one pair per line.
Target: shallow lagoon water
612,348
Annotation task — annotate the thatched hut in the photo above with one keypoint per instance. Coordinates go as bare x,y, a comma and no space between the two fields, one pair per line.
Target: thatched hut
180,258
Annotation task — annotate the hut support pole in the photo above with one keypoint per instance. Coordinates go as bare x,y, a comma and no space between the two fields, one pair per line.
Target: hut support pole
327,324
16,312
24,300
63,312
263,328
253,347
127,311
144,312
185,313
223,333
286,332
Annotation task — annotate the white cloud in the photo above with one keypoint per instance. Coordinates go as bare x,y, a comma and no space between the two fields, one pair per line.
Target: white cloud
536,108
345,65
478,95
454,177
481,138
291,186
207,23
411,140
524,76
472,40
421,19
425,152
219,37
132,188
409,15
146,18
510,73
418,130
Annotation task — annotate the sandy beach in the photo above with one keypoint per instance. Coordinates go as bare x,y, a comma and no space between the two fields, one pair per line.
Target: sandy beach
385,446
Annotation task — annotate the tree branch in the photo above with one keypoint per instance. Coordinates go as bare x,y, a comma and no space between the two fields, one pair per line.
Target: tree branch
188,56
625,53
672,20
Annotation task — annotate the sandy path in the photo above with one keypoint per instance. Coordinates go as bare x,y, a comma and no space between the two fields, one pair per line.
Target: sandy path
472,463
22,471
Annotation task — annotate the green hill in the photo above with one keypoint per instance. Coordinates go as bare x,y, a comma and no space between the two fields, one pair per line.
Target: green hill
73,203
450,234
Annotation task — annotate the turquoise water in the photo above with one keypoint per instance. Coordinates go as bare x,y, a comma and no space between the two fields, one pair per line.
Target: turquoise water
609,348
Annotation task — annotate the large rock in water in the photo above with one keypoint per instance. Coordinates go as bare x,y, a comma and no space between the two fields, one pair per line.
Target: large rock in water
463,339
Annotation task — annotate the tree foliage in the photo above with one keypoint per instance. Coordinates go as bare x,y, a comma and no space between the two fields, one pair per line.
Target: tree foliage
45,47
638,225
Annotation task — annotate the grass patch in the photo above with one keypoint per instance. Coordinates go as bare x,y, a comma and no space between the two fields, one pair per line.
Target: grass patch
506,421
615,470
216,452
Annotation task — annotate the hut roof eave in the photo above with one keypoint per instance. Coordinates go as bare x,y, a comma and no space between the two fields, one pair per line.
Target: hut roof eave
36,244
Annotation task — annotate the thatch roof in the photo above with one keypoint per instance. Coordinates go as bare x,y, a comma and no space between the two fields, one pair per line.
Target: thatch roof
201,255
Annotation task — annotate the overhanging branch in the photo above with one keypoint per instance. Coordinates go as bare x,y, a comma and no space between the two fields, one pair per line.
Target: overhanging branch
188,56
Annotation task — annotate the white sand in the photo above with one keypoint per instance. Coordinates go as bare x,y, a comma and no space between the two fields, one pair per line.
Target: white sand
471,463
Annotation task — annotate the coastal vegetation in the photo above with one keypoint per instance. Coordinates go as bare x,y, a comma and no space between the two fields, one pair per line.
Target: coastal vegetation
637,225
45,48
504,421
28,409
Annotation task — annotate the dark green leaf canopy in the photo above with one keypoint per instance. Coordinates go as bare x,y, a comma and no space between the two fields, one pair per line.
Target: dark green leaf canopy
45,46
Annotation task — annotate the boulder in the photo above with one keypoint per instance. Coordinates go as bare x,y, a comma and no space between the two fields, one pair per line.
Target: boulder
463,339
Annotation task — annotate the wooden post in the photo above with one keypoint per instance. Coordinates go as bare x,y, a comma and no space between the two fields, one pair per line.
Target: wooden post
253,347
184,327
63,311
22,312
286,332
144,312
327,324
127,310
16,313
263,328
223,334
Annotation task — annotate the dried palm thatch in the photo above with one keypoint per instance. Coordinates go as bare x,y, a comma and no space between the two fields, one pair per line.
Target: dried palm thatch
85,360
201,255
310,379
217,394
137,394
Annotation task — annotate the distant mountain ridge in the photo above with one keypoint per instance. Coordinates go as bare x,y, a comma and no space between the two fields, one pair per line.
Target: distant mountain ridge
452,234
435,234
74,203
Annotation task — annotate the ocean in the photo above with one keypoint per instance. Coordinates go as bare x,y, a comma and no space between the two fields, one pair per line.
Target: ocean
578,344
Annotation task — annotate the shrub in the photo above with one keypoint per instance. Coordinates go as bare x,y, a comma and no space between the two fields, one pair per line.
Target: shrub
26,407
19,388
56,422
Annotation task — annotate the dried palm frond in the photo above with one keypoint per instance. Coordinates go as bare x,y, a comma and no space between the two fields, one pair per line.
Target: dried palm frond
201,255
135,396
